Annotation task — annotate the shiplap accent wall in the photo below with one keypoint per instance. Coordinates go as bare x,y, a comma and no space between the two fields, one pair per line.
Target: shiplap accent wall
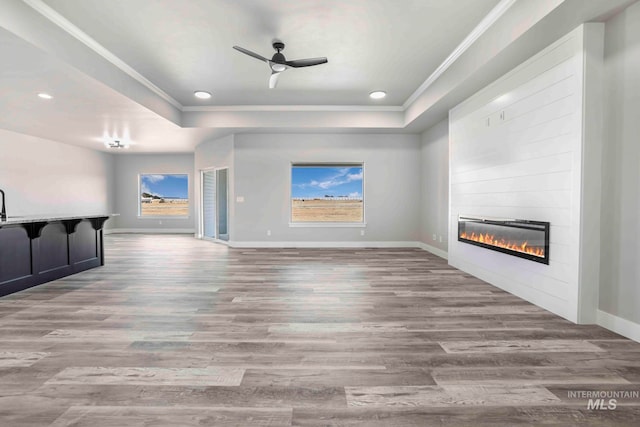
526,147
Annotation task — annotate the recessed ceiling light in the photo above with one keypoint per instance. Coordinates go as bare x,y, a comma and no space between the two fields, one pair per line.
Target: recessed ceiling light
378,94
202,94
45,95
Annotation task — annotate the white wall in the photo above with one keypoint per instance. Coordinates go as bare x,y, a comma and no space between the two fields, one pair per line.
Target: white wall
41,176
262,168
620,267
434,200
214,155
127,168
521,148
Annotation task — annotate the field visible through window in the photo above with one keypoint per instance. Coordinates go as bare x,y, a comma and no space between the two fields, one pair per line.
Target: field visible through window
326,210
166,208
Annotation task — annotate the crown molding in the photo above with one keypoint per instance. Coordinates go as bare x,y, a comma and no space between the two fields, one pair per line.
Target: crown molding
285,108
474,35
59,20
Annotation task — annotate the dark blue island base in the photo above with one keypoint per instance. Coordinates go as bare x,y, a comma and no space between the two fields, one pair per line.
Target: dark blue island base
36,250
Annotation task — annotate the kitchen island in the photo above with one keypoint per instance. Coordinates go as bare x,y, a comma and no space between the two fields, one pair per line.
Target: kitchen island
40,248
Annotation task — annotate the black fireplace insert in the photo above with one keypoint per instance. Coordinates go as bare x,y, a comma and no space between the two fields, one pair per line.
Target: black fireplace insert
521,238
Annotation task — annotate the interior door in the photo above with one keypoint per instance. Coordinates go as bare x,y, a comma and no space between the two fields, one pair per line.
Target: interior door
222,204
209,204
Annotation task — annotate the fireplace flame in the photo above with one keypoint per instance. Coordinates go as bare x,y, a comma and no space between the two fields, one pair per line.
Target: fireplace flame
490,239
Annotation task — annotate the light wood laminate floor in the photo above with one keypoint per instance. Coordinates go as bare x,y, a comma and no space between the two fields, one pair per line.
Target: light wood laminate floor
175,331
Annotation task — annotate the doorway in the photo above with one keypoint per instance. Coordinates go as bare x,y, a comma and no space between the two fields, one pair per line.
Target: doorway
215,204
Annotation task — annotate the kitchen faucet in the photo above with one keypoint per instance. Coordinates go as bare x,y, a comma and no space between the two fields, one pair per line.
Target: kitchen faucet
3,214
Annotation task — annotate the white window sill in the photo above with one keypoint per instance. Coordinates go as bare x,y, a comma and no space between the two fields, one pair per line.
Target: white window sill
327,224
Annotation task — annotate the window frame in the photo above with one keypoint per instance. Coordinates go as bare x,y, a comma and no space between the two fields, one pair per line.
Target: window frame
141,216
327,224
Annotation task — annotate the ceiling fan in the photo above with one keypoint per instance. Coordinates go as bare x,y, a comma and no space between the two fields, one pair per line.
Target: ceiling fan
278,63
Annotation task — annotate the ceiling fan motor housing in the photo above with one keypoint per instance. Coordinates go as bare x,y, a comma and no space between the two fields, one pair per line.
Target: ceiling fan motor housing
279,58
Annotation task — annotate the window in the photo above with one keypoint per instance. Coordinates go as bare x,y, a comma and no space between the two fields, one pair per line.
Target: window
164,195
327,193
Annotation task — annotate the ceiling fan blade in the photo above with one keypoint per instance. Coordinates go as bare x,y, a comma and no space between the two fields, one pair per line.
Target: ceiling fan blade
297,63
273,80
248,52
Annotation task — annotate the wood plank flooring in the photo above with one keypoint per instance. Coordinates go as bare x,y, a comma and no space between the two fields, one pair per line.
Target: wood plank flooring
174,331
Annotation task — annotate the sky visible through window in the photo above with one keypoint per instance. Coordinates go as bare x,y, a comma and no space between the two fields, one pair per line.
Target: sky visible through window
317,182
165,186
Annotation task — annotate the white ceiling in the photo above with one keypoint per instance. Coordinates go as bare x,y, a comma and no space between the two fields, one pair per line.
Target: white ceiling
131,66
183,46
82,108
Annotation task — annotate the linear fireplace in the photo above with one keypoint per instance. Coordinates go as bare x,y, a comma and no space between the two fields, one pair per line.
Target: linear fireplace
521,238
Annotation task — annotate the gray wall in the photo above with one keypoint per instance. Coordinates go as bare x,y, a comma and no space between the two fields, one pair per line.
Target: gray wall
127,168
41,176
262,168
620,230
434,201
211,155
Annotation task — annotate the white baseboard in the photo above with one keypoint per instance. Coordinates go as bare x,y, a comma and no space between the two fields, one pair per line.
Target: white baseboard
619,325
265,244
433,250
151,231
346,244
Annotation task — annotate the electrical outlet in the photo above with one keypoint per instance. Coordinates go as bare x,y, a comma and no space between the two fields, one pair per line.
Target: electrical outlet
160,222
268,232
362,232
440,239
434,236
